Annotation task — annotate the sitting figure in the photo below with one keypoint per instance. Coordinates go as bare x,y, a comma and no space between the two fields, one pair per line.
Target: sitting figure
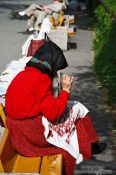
41,125
37,13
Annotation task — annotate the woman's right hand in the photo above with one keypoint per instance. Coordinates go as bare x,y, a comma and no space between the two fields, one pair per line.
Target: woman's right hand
67,82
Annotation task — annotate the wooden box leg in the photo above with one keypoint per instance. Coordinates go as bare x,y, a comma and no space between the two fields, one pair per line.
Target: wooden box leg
52,165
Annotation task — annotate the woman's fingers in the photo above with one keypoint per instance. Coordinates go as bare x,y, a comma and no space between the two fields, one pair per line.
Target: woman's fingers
67,82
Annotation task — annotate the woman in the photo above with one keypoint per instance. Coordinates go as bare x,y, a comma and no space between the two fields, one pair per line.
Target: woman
34,115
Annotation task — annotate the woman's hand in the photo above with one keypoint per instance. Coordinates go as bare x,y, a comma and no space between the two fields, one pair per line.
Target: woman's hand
67,82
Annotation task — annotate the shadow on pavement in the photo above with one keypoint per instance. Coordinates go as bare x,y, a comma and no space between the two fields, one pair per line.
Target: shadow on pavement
85,89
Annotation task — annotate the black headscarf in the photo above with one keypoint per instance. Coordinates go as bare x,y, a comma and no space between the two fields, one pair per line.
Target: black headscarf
49,58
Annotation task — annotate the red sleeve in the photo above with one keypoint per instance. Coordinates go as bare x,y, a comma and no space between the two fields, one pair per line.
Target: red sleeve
51,107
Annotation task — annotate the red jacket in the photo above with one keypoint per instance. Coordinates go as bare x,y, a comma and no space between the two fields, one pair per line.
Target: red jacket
30,94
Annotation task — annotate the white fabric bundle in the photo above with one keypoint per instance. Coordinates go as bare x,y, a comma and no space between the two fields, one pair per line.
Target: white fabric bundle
64,135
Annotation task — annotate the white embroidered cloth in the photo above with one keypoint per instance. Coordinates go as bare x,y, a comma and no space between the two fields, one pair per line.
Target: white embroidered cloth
65,135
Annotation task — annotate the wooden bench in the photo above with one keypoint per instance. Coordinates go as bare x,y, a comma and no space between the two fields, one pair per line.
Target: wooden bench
60,20
12,162
70,19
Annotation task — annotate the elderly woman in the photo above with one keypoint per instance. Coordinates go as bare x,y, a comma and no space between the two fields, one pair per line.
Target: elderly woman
40,124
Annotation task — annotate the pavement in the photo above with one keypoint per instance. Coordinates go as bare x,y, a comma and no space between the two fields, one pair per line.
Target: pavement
85,87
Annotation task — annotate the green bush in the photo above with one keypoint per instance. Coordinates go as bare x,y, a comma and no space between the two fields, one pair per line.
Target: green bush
111,4
105,48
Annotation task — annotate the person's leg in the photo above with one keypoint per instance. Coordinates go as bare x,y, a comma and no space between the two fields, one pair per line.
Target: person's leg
90,129
83,139
30,22
40,15
86,132
88,139
30,9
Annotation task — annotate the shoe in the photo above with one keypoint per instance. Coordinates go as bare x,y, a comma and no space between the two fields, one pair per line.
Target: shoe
22,13
31,29
16,15
25,17
28,32
98,147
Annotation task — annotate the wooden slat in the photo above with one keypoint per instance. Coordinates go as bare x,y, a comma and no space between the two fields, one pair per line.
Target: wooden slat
60,18
52,21
52,165
71,21
1,167
27,164
7,154
3,140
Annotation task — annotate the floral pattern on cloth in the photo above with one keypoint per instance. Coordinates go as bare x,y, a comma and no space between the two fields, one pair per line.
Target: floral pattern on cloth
65,135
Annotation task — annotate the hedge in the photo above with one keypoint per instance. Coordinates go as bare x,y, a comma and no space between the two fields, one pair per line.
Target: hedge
105,47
